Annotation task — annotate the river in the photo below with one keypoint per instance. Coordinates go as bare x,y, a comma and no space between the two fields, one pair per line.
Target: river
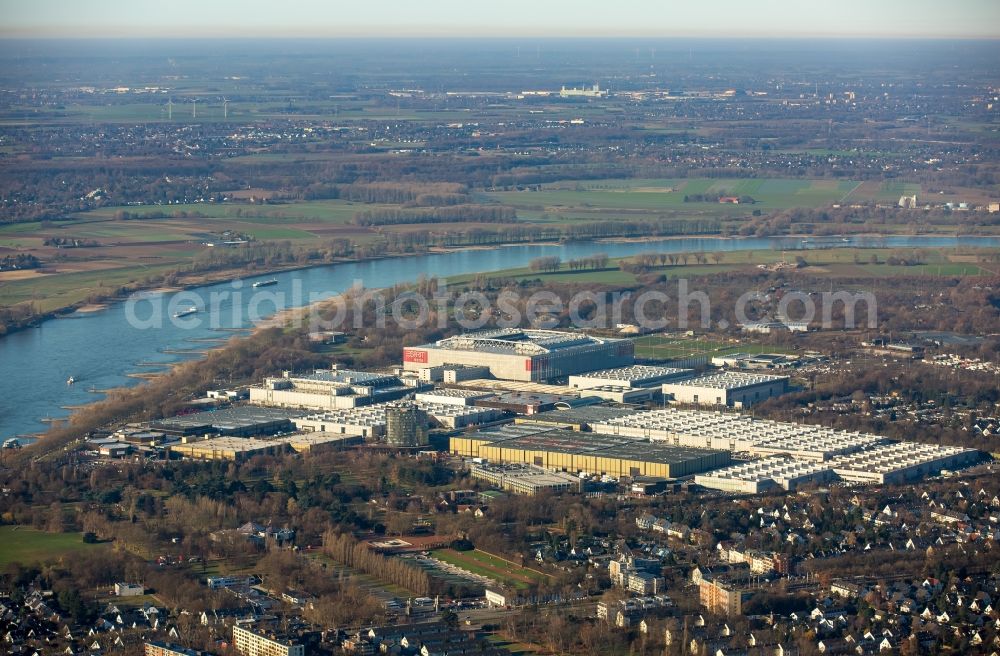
100,349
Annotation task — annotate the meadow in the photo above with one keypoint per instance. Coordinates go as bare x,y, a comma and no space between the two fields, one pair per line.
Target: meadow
52,292
27,545
332,211
651,195
831,262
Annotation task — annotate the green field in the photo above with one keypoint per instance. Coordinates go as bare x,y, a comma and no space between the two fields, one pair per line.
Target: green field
666,347
26,545
932,269
829,261
668,194
326,211
636,199
61,290
484,564
890,192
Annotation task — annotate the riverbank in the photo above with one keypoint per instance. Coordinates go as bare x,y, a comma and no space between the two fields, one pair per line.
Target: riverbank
194,280
101,348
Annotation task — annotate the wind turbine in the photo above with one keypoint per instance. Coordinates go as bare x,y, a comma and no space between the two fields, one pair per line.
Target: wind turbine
194,108
225,107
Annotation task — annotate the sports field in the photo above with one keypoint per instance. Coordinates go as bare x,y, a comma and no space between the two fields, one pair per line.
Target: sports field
667,347
484,564
26,545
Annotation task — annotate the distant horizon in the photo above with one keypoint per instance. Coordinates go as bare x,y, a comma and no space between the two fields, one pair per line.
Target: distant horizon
764,19
502,37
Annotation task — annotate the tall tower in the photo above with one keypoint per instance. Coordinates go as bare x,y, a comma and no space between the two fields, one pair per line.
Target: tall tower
406,425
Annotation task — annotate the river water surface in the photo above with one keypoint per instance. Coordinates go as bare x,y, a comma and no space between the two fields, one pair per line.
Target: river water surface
100,349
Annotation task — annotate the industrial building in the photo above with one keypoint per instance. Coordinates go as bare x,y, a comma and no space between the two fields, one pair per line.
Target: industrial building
452,373
367,422
879,463
758,476
523,403
332,389
500,386
623,395
822,444
526,479
527,355
240,421
583,92
447,415
581,418
901,462
318,442
633,377
370,422
737,389
452,396
737,433
229,448
590,453
240,449
755,360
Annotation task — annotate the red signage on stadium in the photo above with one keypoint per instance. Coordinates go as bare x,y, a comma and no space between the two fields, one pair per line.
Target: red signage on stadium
535,364
413,355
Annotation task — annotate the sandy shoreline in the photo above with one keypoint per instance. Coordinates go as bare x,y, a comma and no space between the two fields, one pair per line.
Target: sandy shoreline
91,307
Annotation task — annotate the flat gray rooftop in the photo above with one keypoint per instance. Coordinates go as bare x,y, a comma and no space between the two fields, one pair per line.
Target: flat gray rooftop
242,416
590,414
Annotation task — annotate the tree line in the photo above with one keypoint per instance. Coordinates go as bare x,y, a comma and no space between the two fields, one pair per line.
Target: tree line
19,261
346,550
548,263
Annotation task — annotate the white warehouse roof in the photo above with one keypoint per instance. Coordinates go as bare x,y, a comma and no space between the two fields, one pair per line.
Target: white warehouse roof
758,475
728,380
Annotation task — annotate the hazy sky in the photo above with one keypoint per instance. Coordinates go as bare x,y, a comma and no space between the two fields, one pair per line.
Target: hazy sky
652,18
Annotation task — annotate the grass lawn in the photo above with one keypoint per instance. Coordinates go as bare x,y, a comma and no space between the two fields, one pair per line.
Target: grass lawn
938,269
665,347
517,648
26,545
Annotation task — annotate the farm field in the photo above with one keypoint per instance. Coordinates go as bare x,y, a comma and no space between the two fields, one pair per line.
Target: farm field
128,251
334,211
831,261
210,110
664,194
26,545
51,292
933,269
484,564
